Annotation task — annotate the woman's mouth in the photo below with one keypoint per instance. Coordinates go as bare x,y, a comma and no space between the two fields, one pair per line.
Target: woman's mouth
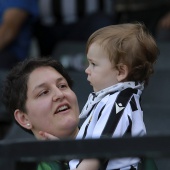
62,108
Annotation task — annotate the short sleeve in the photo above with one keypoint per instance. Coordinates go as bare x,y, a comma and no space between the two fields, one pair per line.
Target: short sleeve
31,6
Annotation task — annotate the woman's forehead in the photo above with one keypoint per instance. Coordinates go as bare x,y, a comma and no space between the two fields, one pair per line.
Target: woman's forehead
44,74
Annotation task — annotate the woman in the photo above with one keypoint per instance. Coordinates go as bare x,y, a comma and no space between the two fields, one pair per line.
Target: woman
38,94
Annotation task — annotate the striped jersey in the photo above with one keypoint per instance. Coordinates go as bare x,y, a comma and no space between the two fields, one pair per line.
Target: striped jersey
117,114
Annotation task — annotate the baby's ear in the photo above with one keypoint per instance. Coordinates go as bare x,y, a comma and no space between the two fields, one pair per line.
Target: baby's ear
22,119
122,72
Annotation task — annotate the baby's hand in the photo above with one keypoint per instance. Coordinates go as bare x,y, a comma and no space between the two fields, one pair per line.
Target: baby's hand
47,136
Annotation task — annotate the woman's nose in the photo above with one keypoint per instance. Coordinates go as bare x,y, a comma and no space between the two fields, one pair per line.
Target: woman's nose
58,94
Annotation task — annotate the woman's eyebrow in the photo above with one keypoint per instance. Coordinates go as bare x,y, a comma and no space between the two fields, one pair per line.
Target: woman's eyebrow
60,79
39,86
44,84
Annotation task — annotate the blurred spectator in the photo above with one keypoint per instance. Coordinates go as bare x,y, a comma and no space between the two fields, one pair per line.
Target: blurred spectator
17,18
163,28
148,12
70,20
16,26
165,21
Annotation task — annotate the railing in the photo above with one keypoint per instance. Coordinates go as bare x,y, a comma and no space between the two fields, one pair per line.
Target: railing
23,154
137,5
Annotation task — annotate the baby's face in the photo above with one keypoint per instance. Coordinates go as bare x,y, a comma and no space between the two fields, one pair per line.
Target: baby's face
100,71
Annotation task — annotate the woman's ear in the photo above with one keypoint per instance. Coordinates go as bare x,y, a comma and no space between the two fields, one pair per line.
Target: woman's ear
22,119
122,72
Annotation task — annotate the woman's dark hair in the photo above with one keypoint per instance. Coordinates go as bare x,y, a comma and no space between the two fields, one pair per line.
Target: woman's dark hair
15,85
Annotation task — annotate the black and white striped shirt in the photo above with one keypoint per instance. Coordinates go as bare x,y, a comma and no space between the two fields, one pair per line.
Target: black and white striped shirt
115,117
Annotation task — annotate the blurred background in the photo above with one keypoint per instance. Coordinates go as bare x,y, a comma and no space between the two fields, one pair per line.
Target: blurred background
60,29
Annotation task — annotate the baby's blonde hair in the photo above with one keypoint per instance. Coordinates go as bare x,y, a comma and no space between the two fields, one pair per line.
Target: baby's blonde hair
130,44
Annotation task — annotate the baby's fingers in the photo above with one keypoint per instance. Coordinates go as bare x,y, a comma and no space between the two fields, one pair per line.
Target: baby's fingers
47,136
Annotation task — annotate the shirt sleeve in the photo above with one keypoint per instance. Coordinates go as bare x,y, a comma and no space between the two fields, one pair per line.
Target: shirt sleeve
31,6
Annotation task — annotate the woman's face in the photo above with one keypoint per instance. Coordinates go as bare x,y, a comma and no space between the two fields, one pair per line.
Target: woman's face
51,105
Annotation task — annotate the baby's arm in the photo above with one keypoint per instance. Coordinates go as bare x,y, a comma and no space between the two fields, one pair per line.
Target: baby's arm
90,164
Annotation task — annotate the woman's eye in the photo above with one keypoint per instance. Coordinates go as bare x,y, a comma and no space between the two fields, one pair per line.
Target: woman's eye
43,93
62,86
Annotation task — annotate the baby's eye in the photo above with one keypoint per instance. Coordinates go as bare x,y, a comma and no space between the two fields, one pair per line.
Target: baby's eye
93,64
